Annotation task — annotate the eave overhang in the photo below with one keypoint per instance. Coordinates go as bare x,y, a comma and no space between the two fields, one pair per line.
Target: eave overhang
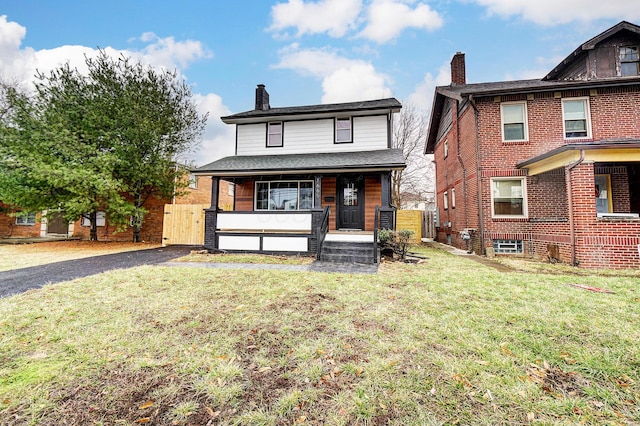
617,151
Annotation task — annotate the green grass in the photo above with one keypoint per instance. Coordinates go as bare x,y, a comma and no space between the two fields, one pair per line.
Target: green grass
245,258
448,341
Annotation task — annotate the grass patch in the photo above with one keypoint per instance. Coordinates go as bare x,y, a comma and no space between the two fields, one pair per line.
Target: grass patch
447,341
245,258
15,256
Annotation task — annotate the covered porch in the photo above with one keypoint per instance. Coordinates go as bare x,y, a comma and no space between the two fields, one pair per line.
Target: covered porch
602,195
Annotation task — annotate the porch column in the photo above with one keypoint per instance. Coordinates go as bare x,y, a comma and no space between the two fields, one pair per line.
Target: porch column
385,187
387,211
317,191
211,217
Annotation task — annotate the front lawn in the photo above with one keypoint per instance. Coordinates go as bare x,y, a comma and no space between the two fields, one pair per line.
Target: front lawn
447,341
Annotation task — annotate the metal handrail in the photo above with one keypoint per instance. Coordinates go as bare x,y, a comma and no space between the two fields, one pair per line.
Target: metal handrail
321,231
376,224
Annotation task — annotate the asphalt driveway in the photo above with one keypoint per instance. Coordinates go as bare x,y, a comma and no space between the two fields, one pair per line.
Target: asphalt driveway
20,280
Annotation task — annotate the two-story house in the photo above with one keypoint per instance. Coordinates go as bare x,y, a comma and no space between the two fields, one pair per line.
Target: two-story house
547,168
300,172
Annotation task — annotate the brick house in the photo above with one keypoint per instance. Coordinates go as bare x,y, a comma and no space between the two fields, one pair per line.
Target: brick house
32,225
545,168
304,175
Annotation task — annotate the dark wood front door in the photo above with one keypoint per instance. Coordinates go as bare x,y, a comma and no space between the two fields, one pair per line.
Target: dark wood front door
351,202
57,224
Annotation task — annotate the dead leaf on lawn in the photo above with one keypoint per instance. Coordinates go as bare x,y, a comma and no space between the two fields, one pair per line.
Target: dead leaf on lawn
145,405
143,420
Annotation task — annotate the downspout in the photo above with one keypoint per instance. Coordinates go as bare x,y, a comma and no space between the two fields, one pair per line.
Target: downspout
570,208
478,175
464,170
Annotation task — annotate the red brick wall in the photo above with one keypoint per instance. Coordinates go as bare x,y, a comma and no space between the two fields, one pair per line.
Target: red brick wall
614,114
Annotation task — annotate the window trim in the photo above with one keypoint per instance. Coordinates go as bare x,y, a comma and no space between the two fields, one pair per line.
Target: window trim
453,198
335,130
269,182
525,124
586,102
445,200
637,61
445,147
525,207
193,181
25,218
269,133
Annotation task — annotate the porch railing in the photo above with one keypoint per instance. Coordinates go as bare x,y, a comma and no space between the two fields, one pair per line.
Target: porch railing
321,230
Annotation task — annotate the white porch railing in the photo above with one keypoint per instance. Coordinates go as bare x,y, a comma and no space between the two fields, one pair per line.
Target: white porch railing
264,222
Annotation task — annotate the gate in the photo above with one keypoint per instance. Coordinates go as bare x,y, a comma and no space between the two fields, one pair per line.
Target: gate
183,224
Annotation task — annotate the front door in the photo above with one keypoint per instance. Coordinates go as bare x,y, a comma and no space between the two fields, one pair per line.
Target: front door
351,202
57,224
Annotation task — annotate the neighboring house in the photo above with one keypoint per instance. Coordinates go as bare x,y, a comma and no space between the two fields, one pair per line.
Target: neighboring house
300,169
547,168
32,225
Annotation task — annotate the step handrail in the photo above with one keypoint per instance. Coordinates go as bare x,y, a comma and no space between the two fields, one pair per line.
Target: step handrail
322,230
376,224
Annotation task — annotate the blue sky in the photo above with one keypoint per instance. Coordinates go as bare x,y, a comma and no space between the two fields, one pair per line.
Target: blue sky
305,52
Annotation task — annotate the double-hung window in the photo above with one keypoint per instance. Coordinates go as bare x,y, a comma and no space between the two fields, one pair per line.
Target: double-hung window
344,132
274,134
629,61
514,121
575,116
508,197
26,218
284,195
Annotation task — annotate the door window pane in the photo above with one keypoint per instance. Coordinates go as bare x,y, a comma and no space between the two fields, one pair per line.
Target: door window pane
350,195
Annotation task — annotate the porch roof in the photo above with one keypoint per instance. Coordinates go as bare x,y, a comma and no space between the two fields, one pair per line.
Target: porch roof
333,162
604,151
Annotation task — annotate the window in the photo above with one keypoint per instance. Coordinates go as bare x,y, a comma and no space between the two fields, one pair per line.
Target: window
193,181
446,148
445,201
629,61
575,114
274,134
453,198
604,202
507,246
100,219
514,121
232,189
343,130
508,197
284,195
26,218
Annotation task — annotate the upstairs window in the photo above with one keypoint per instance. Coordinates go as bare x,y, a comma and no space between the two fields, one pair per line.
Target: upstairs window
629,61
508,198
343,130
274,134
514,121
575,115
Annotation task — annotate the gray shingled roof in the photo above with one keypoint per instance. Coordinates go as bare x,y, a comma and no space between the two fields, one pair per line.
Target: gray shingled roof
380,104
385,159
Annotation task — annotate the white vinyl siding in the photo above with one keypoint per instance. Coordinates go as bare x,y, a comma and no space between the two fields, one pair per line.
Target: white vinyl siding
314,136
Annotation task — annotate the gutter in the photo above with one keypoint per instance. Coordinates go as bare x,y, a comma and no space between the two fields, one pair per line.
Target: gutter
572,232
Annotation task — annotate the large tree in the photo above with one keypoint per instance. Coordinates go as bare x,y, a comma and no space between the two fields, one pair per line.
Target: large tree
106,140
409,133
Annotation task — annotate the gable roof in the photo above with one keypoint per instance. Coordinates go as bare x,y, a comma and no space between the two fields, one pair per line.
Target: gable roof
361,107
590,45
244,165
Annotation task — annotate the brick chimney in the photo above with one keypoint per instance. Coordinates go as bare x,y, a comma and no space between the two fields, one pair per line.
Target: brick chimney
458,72
262,98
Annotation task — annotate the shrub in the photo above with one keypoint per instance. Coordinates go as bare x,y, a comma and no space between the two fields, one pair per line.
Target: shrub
396,241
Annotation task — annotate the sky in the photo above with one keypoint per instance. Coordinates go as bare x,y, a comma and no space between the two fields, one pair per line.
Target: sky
305,52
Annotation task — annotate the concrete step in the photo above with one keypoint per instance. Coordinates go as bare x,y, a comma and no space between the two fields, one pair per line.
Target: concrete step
347,252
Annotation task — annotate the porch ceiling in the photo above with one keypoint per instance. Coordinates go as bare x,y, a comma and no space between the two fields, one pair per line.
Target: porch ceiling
335,162
594,152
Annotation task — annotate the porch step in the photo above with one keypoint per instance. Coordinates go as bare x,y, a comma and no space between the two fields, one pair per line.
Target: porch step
347,252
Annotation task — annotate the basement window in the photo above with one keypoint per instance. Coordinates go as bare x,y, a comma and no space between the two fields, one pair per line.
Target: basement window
507,246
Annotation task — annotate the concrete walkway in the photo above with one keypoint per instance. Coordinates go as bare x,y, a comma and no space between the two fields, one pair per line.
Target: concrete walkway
472,256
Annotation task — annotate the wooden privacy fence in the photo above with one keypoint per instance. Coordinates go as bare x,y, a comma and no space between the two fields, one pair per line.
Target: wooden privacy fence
418,221
183,224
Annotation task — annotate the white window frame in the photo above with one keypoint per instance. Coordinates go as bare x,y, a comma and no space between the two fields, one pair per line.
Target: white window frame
337,137
446,148
231,189
627,61
269,182
525,125
26,218
275,128
445,200
100,219
585,101
453,198
193,181
523,185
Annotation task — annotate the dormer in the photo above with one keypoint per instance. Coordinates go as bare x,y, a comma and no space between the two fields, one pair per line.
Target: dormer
611,54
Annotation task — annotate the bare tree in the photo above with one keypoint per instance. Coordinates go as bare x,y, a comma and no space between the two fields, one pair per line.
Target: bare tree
417,180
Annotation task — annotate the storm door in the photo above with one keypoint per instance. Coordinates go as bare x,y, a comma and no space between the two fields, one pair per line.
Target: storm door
351,202
57,224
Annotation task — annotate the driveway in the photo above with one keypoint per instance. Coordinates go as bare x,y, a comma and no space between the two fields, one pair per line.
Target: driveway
20,280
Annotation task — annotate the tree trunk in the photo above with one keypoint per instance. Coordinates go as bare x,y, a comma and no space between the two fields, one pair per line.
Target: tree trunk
93,221
137,222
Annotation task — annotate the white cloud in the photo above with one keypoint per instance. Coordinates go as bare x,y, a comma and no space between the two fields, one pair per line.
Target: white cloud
343,79
554,12
388,18
422,96
334,17
218,139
